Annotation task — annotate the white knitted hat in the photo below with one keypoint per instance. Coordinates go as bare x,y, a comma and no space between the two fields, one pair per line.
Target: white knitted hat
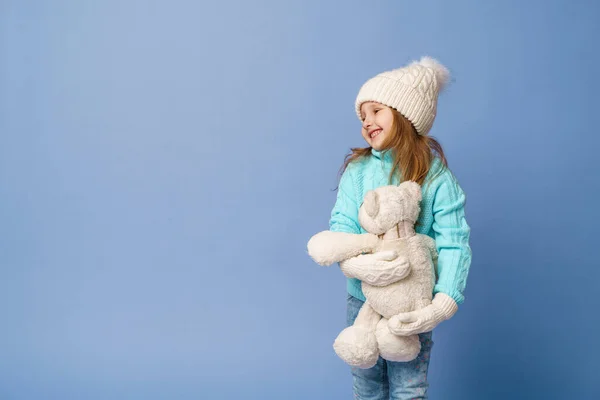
412,90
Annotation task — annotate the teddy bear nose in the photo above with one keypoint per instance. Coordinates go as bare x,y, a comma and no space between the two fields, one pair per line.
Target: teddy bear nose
371,204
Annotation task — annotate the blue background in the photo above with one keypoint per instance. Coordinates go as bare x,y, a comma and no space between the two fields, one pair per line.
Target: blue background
163,164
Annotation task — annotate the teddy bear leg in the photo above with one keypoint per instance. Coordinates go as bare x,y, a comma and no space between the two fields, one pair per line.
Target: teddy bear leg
357,344
396,348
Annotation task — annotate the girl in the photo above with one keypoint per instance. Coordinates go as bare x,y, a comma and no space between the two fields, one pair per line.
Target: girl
397,109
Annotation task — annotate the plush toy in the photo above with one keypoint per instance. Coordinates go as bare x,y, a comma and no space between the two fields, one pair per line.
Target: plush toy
400,280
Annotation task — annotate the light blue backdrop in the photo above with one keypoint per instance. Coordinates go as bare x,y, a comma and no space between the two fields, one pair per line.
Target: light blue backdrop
163,164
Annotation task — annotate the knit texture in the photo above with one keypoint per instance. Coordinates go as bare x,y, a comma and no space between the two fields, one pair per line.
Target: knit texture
413,90
442,217
442,307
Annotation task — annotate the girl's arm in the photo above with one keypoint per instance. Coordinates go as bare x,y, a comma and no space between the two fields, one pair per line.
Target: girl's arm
451,238
344,216
454,259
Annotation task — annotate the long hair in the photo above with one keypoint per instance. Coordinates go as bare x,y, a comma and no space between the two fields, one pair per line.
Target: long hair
412,153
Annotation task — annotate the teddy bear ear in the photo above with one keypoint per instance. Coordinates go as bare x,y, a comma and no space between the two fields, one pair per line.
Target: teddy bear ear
371,203
413,189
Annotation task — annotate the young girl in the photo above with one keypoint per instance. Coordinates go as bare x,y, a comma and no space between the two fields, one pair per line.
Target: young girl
397,109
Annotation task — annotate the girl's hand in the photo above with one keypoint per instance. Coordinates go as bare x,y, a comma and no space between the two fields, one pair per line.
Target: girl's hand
442,307
378,269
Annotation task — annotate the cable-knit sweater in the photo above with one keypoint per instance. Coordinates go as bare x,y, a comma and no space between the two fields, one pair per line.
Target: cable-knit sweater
442,217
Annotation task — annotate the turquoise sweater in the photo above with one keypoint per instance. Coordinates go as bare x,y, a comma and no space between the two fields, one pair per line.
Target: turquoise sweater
442,217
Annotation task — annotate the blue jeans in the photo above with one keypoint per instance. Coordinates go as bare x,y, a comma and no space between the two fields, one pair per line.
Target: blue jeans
388,379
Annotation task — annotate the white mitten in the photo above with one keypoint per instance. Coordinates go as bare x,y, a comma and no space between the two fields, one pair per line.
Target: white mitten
442,307
379,269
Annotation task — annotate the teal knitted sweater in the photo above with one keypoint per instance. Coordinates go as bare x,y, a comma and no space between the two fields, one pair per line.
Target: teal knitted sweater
442,217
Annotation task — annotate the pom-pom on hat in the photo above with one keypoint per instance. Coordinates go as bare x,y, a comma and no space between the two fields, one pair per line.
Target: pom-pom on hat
412,90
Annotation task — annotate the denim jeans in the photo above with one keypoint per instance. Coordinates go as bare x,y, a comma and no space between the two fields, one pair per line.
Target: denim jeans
388,379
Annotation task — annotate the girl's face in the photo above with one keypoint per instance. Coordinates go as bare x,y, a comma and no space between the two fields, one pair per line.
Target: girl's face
376,123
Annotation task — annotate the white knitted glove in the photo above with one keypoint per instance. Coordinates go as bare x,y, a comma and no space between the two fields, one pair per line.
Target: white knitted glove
378,269
442,307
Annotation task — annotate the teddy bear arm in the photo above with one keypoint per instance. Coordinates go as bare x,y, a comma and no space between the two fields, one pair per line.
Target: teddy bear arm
329,247
429,243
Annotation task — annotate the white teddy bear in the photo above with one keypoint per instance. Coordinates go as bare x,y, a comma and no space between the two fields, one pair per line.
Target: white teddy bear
388,213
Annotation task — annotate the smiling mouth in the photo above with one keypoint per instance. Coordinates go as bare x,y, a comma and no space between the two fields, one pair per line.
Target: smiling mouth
374,133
